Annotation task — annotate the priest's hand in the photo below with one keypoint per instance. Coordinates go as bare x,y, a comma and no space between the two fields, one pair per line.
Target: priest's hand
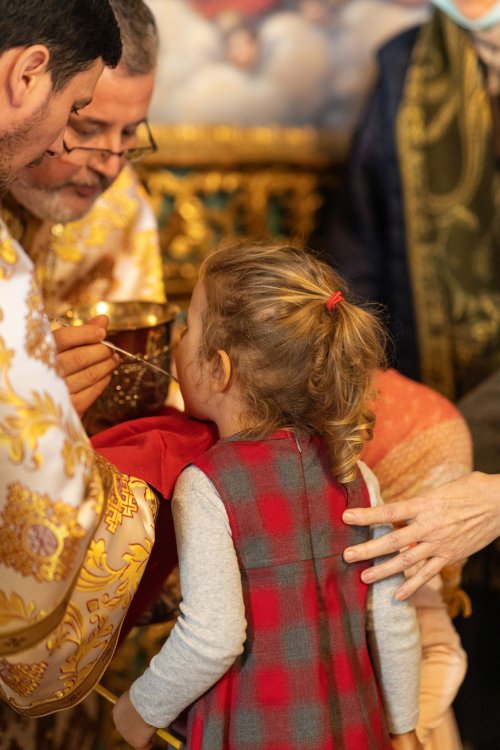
85,363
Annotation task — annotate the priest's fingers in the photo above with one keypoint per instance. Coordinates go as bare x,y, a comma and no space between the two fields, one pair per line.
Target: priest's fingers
84,365
68,337
83,399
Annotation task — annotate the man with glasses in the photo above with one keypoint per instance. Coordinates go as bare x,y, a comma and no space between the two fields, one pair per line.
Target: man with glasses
83,217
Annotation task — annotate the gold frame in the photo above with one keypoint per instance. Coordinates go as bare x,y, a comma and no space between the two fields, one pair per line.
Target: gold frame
210,183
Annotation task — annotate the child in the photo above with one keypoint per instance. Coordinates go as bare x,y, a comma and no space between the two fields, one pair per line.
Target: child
283,364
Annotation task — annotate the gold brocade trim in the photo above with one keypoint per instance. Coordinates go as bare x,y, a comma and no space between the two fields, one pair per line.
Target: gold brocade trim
15,608
79,692
8,254
19,640
32,419
22,678
153,285
92,631
39,537
39,343
443,133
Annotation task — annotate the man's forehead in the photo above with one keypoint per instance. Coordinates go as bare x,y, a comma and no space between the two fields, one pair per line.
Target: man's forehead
104,122
119,99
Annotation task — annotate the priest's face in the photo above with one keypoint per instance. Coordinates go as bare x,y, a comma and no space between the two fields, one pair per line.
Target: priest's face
39,132
65,188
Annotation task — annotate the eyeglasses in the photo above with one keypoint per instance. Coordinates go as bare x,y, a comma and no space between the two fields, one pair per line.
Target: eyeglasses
135,154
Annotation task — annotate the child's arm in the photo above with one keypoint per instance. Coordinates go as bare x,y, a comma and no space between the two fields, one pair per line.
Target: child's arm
394,642
137,732
210,631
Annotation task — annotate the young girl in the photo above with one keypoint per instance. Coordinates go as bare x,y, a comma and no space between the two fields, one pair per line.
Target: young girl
271,646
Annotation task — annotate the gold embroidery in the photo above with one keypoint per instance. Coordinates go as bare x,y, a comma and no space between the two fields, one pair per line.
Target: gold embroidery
451,220
122,504
39,342
80,263
32,634
117,588
84,642
14,607
22,678
32,419
8,253
39,537
98,575
119,492
150,263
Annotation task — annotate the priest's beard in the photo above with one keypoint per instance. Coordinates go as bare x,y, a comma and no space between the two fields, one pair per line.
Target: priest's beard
17,141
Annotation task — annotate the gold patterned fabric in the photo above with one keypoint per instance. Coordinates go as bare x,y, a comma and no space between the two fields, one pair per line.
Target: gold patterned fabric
75,534
111,254
452,195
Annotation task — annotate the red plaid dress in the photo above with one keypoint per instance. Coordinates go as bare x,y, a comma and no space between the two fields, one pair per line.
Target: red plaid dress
305,680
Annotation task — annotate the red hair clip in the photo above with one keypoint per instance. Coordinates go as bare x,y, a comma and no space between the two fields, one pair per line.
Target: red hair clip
333,299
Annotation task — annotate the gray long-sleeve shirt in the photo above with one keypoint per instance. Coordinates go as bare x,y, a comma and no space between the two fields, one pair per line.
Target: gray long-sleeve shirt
210,631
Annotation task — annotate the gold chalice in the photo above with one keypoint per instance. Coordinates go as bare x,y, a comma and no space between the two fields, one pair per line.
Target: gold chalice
140,331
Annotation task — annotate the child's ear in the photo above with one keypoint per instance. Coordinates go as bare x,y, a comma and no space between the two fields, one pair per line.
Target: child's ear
225,370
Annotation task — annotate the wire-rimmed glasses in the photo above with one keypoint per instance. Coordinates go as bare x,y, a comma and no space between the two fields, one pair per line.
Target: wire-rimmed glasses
134,154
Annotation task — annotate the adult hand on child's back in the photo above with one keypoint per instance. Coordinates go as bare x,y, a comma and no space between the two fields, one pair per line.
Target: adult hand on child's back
128,721
447,524
85,363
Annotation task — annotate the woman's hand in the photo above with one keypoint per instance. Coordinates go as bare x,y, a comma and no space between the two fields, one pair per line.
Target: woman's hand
446,524
128,721
407,741
85,363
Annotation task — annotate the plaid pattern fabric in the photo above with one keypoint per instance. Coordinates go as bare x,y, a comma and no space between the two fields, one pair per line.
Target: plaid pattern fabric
305,680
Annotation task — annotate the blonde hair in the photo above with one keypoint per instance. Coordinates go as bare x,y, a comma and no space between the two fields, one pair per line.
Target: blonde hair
298,365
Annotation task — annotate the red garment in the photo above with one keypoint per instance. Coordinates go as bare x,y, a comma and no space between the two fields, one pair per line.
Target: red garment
305,678
155,449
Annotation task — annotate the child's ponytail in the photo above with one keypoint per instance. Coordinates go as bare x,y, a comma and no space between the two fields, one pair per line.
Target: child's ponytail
304,357
342,381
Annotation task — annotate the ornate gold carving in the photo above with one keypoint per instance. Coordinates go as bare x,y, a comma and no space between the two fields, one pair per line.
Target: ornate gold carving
202,146
22,678
209,184
39,537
